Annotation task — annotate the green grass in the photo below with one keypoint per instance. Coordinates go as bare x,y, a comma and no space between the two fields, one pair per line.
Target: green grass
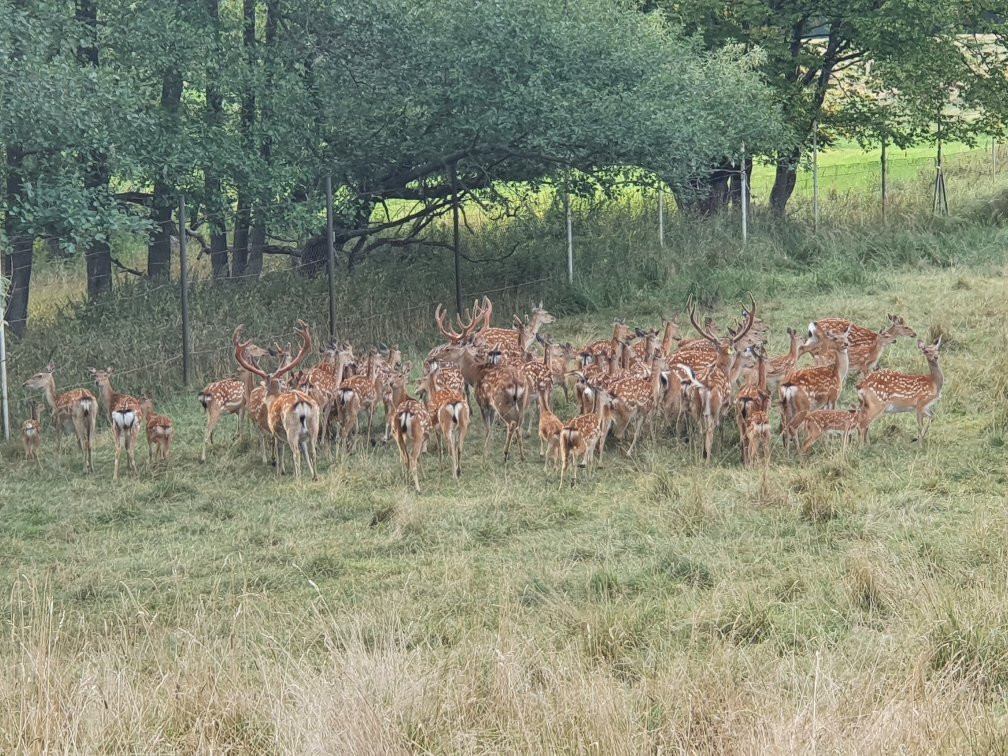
850,604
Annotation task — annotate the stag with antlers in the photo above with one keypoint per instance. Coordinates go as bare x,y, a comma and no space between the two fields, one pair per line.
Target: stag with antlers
293,416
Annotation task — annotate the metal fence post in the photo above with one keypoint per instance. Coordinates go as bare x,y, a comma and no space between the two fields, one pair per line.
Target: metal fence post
570,240
745,200
330,256
661,215
3,358
184,284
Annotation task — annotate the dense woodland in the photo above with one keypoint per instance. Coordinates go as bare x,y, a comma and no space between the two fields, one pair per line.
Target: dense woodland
109,110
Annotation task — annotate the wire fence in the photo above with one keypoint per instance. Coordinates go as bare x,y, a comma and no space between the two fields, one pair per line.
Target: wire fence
826,191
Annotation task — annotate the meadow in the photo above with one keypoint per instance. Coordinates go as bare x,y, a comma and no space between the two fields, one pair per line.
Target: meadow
847,603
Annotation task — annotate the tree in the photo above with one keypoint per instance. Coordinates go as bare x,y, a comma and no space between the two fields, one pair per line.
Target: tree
811,48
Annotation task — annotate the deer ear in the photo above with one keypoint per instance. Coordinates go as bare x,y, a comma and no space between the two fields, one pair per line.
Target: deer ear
921,345
50,369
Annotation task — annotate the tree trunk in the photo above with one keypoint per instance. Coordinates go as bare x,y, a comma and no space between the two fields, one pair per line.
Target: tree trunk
707,195
784,183
219,265
163,203
255,258
97,253
17,262
243,216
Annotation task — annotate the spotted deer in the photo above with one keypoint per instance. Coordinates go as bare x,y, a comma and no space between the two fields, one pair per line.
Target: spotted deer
160,432
579,438
108,398
229,396
503,392
521,337
824,422
889,391
31,432
814,387
604,349
634,399
711,386
411,429
74,411
358,394
549,433
866,345
127,417
292,416
753,399
449,411
779,367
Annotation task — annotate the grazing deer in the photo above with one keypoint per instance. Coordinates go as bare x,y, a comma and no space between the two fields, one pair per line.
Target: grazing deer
126,419
711,386
889,391
73,411
160,431
819,423
814,387
228,397
449,411
292,416
411,428
31,432
550,427
866,345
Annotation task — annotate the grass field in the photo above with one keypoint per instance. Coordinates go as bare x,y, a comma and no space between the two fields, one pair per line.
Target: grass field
852,604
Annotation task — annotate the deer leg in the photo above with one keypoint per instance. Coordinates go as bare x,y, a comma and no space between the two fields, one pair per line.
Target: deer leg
213,417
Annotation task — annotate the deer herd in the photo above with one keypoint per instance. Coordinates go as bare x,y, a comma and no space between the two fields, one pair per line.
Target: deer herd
638,379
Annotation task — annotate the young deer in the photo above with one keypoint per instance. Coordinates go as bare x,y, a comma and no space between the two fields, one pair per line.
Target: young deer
889,391
866,345
449,410
819,423
160,431
292,416
74,411
751,400
814,387
411,428
550,427
779,367
31,432
357,394
580,437
634,399
756,437
228,397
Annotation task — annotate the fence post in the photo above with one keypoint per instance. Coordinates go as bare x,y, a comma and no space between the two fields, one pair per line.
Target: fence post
570,240
661,215
330,256
184,284
940,197
885,177
993,157
745,199
455,238
3,358
815,178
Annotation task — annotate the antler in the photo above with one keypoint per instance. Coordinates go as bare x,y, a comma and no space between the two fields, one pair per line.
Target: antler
240,347
305,335
439,316
750,319
705,332
487,311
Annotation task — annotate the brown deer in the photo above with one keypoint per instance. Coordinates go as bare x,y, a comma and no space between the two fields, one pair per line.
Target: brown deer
779,367
604,349
228,397
634,399
711,386
358,394
889,391
750,400
866,345
757,437
160,431
31,432
520,338
580,437
74,411
412,426
449,410
292,416
126,420
814,387
503,392
550,427
824,422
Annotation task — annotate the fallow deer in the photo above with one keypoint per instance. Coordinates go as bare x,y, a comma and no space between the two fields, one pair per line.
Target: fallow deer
31,432
503,392
411,428
711,386
752,399
160,431
604,349
126,420
889,391
634,399
824,422
73,411
550,427
520,338
866,345
814,387
449,411
228,397
579,437
779,367
293,416
355,395
757,437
